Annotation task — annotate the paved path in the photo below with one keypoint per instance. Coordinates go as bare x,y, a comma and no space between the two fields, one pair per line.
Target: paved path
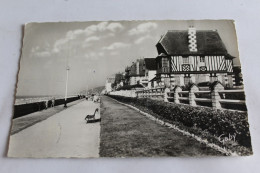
65,134
21,123
128,133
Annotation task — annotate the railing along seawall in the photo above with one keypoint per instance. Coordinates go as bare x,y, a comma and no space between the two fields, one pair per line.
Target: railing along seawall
27,108
216,97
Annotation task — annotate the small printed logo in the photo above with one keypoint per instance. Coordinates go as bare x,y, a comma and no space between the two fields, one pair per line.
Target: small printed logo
223,139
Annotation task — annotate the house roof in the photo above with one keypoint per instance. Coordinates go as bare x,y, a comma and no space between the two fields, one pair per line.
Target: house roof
162,54
118,77
127,69
175,42
154,79
230,56
150,63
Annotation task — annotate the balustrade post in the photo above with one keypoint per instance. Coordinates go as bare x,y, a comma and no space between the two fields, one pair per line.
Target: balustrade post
192,95
176,94
166,91
215,96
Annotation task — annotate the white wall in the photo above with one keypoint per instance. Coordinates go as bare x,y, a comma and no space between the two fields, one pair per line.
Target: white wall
135,79
108,87
151,74
126,93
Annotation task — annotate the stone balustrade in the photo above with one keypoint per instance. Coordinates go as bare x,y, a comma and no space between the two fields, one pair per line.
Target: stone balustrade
215,98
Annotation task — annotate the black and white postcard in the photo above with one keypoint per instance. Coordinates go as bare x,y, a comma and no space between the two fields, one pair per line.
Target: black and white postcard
170,88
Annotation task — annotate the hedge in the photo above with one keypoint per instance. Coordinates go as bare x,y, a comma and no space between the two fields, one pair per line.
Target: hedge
216,122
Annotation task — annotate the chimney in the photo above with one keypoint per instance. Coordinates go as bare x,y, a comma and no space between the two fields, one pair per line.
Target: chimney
192,39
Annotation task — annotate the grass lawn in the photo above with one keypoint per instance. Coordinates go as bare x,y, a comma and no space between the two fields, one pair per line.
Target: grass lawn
127,133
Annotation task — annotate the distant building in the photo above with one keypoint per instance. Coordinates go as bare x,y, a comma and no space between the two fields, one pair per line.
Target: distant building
127,75
135,74
109,84
193,57
119,80
150,71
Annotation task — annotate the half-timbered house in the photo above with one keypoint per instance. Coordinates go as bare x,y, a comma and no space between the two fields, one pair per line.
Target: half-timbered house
193,57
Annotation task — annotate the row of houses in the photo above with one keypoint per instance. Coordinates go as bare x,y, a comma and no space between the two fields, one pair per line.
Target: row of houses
184,57
138,75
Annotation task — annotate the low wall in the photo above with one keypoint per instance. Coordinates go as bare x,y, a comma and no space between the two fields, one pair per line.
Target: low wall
125,93
24,109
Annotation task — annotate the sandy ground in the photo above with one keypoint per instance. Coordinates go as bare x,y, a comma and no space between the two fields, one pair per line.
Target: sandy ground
65,134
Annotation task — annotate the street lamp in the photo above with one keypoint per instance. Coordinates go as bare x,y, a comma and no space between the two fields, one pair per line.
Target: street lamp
66,91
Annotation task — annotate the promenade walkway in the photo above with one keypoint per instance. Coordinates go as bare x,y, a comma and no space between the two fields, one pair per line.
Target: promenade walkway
64,134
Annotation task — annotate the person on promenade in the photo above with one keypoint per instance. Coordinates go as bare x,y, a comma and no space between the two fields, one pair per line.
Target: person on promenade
53,102
95,98
46,104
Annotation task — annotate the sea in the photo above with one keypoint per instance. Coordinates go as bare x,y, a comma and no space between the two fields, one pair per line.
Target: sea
19,100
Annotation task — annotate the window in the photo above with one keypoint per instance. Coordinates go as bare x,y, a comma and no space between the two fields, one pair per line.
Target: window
186,80
202,59
160,64
165,62
213,77
185,60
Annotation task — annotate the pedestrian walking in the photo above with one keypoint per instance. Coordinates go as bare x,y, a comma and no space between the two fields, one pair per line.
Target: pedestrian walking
46,104
53,102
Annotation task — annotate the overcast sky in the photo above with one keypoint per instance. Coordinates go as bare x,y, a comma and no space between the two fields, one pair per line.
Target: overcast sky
95,51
